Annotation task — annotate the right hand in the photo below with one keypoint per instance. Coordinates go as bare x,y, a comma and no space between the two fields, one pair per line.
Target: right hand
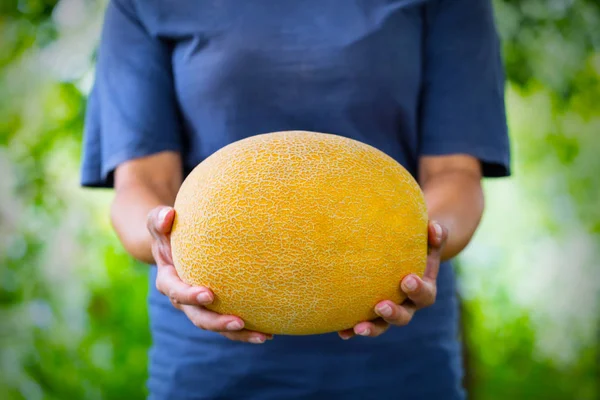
190,299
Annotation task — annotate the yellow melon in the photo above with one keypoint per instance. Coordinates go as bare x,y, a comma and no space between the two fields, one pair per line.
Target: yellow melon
299,232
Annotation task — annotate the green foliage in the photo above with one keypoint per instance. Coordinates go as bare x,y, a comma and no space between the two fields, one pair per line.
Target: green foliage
72,302
530,342
548,41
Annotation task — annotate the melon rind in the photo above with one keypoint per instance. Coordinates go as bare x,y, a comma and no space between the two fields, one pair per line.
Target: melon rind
299,232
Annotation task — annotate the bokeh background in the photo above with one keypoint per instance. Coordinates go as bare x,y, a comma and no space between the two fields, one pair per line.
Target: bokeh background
72,303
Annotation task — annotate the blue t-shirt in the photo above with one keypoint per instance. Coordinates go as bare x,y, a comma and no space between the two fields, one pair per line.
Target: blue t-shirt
409,77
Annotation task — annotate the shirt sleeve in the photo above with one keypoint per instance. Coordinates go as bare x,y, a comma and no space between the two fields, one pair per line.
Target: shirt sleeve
132,110
462,108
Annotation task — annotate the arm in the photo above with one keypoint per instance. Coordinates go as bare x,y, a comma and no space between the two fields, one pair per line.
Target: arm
141,185
454,197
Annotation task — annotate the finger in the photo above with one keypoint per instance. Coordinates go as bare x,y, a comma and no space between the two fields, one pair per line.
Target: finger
394,314
169,284
368,328
160,220
422,293
212,321
346,333
247,336
371,328
161,251
159,223
437,236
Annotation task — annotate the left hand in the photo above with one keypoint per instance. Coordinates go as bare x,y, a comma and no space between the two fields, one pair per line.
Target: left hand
420,293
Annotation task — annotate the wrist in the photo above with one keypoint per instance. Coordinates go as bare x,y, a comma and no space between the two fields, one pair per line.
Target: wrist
129,217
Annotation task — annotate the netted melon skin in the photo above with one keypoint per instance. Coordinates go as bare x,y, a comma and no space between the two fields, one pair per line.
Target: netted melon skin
299,233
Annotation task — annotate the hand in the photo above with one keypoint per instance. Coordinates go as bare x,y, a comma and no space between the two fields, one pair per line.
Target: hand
191,300
420,293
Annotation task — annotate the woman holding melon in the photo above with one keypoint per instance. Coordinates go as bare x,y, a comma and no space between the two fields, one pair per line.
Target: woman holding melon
177,81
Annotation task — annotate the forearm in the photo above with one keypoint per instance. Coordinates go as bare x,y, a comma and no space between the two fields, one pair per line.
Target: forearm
129,213
140,186
455,199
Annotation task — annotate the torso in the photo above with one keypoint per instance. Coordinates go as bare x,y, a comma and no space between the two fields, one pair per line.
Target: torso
347,67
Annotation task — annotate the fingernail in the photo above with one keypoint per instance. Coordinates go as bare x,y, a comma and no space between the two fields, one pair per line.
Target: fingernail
204,297
234,326
163,214
438,230
384,310
410,284
365,332
257,340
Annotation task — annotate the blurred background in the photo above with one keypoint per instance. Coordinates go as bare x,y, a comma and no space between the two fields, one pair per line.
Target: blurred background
72,302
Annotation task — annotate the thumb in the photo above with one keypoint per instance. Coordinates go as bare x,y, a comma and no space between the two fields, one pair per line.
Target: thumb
437,236
160,221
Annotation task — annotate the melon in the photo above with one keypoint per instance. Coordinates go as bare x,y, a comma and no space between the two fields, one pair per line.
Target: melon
299,233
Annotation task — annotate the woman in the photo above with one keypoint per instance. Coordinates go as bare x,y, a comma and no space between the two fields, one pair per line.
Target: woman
177,80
